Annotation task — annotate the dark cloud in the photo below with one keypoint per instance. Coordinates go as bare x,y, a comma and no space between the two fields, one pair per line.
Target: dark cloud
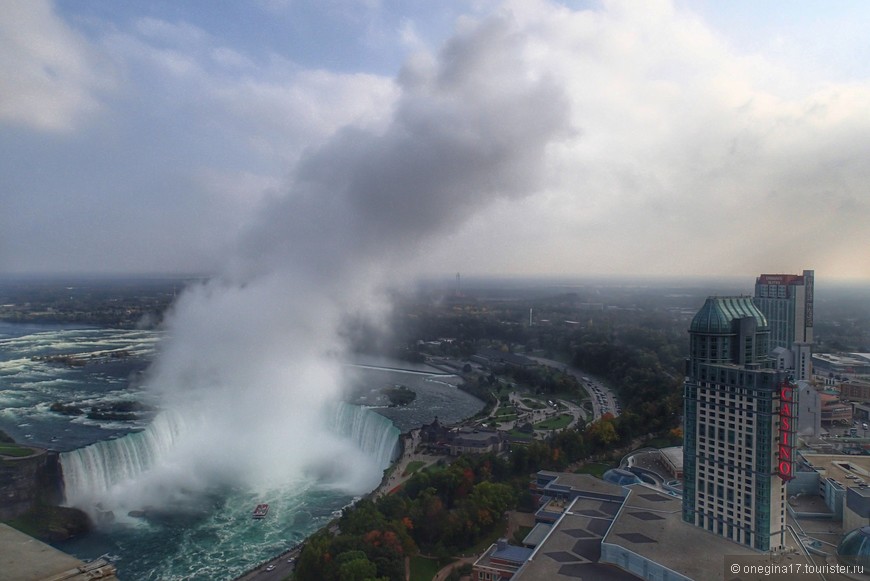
470,128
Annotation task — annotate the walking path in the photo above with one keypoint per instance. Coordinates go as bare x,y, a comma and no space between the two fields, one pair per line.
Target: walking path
445,571
397,474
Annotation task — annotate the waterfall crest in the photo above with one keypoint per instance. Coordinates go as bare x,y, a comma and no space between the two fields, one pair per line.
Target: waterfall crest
91,474
373,433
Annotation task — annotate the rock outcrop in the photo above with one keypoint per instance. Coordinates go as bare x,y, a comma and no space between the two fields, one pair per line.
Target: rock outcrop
31,487
29,481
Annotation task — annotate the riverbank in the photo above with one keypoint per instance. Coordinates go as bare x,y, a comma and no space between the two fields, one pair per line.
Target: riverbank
408,462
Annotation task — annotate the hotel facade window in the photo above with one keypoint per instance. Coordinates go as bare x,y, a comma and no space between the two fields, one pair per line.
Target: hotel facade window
731,436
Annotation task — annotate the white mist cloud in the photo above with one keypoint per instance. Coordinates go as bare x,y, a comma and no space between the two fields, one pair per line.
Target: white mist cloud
253,358
51,75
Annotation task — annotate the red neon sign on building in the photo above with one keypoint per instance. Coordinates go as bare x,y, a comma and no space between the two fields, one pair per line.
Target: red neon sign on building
787,428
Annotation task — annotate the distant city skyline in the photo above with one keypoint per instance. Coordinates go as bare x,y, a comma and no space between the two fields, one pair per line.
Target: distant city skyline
666,138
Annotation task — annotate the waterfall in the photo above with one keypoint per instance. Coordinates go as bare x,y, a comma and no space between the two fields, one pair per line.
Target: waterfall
91,473
374,434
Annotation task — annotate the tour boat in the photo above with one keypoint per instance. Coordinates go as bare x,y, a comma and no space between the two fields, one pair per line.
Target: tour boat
261,510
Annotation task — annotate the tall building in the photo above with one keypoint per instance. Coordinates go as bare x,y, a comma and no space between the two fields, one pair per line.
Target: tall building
739,426
787,302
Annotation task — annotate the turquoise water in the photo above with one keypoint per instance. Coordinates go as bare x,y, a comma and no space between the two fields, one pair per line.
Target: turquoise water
202,534
213,537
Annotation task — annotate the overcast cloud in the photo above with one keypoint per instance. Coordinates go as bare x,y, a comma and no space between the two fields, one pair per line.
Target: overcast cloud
690,141
251,365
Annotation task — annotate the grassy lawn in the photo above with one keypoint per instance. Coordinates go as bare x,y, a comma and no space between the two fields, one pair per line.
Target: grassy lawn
594,468
423,569
535,405
556,423
14,450
412,467
520,435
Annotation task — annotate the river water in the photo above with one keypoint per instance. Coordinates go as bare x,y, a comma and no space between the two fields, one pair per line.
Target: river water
212,535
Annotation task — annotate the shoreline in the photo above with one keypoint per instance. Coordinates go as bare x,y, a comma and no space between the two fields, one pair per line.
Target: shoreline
393,477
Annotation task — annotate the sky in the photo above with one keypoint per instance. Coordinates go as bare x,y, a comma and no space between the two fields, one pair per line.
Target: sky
533,137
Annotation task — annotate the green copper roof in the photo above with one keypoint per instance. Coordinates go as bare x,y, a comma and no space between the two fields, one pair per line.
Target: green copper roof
854,549
718,312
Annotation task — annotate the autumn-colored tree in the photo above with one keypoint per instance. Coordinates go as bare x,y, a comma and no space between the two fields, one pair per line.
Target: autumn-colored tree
602,433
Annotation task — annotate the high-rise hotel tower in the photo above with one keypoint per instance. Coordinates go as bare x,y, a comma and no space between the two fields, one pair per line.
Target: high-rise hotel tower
787,302
739,426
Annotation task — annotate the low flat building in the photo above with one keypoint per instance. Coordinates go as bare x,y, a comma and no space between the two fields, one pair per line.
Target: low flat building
494,357
841,365
856,511
855,390
641,535
833,410
475,442
673,460
499,562
569,486
572,548
831,477
455,441
23,558
537,535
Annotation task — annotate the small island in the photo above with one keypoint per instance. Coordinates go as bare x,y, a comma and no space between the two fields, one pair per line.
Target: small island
117,411
400,395
82,359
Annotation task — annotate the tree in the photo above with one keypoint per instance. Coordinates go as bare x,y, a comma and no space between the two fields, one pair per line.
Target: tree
602,433
364,517
314,561
355,566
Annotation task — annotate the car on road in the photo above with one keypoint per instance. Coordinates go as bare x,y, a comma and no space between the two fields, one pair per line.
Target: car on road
270,568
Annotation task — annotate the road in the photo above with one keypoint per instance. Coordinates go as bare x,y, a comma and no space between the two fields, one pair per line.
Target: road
282,567
603,399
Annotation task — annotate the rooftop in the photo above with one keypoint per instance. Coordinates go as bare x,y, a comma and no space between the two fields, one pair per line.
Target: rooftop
573,547
583,482
537,534
23,558
856,359
503,557
481,438
651,525
647,523
674,455
718,312
848,470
